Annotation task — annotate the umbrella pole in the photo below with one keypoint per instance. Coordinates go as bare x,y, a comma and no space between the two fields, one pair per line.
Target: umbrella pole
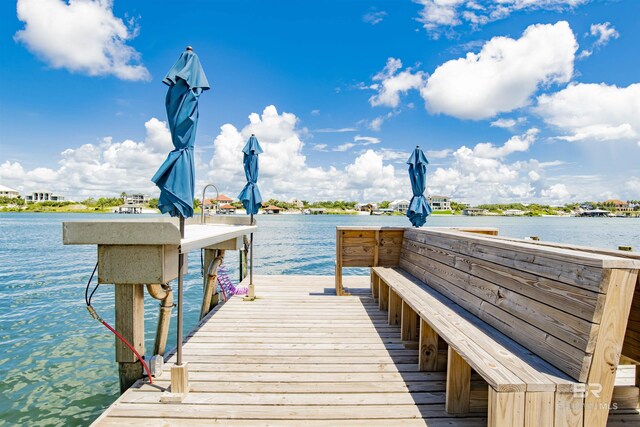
180,292
251,293
179,372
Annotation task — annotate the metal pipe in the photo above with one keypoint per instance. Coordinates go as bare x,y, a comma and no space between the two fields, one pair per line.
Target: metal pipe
158,291
203,192
165,295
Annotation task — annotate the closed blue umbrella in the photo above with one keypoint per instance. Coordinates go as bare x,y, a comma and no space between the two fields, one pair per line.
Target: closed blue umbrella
250,194
176,176
419,208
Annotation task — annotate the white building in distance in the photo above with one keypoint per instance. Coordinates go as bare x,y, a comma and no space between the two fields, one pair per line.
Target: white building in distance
399,205
43,196
136,199
8,192
439,203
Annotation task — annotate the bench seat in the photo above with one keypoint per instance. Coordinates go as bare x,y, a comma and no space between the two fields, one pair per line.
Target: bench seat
510,369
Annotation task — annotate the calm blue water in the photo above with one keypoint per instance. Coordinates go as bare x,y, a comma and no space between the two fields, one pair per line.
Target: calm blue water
57,363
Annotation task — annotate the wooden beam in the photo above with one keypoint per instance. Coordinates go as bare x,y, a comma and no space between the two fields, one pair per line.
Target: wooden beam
458,384
569,408
129,308
383,302
395,308
608,347
506,409
409,324
428,356
338,262
539,409
376,248
375,285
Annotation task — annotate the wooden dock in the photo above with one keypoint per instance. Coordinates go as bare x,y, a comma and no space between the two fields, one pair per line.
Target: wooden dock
299,355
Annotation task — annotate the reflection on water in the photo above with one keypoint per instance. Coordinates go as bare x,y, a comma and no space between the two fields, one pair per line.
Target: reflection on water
57,363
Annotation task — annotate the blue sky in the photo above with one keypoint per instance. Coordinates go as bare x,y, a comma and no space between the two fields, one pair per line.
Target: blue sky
512,100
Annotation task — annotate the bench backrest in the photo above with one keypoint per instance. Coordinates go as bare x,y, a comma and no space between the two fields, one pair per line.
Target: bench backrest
552,301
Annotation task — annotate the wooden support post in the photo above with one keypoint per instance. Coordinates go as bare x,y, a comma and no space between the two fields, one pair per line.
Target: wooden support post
130,324
539,409
606,355
568,409
506,409
338,263
376,249
458,384
180,378
375,285
428,356
383,302
395,308
409,325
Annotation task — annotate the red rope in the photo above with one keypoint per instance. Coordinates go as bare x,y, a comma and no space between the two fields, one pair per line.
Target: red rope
144,364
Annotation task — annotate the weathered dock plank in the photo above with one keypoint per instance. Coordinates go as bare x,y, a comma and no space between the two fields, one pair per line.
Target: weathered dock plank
299,355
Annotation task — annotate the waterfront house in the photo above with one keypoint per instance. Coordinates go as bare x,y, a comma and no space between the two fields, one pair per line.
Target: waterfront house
8,192
43,196
315,211
297,203
439,203
216,204
595,213
399,205
136,199
514,212
272,209
474,211
227,209
619,205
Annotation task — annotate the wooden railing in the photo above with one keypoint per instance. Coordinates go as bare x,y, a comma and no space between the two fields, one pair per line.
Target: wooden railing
376,246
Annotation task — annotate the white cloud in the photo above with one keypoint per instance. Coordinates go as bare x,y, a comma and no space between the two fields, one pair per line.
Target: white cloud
514,144
320,147
633,185
376,124
358,140
81,36
604,32
344,147
335,130
393,83
504,74
396,156
556,192
366,140
438,154
508,123
374,17
483,175
101,169
504,123
439,15
598,112
284,171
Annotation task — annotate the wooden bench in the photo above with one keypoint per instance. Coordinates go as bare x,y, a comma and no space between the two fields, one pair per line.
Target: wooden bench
542,325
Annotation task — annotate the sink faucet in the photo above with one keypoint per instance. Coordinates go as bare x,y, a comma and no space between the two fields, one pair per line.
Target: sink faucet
203,192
